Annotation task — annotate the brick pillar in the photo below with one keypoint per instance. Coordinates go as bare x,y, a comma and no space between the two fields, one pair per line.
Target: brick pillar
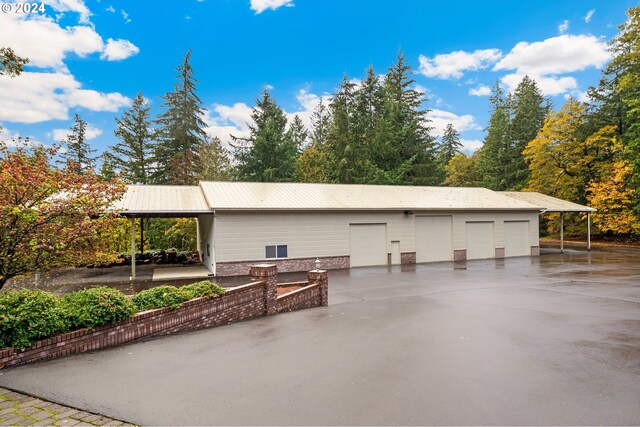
269,274
321,277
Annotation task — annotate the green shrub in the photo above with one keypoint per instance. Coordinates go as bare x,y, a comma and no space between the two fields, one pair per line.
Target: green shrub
202,289
27,316
158,297
96,306
171,296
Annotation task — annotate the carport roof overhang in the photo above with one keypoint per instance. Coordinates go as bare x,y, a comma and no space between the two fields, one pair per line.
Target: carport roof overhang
549,203
162,201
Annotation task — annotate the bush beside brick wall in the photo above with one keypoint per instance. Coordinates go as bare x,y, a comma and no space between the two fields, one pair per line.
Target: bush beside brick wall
243,302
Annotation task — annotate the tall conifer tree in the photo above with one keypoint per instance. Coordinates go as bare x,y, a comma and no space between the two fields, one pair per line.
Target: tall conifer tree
269,153
180,133
78,149
132,156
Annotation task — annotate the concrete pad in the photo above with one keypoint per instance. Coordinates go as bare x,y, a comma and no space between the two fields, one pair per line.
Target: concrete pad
523,341
180,273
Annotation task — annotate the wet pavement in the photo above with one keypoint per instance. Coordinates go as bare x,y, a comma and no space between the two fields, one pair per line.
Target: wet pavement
549,340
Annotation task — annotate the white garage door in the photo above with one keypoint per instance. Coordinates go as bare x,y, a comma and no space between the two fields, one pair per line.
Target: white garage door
516,238
480,240
368,244
433,238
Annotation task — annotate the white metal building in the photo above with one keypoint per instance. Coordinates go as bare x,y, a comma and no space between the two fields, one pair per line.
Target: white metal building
293,224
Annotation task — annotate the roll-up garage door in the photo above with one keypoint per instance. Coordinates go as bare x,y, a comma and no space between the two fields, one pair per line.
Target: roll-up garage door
368,244
516,238
480,240
433,238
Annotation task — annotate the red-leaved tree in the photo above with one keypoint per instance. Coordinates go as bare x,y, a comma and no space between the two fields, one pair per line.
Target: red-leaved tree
49,216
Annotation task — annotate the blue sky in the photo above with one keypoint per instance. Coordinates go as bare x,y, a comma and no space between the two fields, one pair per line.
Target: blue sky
93,57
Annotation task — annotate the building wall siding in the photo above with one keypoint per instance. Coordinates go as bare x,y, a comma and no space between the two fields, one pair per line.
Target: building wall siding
242,236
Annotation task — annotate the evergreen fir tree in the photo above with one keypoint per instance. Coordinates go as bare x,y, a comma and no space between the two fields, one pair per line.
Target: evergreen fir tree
269,153
450,144
297,133
406,129
180,133
78,149
107,167
341,146
132,156
320,121
216,164
529,109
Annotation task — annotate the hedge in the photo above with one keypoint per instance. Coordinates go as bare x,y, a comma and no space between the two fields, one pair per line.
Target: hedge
27,316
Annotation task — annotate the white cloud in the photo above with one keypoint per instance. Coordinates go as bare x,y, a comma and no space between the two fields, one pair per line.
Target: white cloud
111,9
481,90
260,6
440,119
49,94
563,27
578,95
547,60
125,16
37,97
76,6
226,120
556,55
91,133
117,50
44,42
589,15
451,65
469,146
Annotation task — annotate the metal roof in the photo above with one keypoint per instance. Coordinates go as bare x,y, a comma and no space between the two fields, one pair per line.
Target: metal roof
299,196
162,200
550,204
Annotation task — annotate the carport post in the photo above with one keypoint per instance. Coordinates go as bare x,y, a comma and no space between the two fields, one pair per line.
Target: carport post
133,248
561,232
589,231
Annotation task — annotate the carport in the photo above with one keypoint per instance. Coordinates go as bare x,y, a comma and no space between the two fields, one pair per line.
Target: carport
553,204
168,201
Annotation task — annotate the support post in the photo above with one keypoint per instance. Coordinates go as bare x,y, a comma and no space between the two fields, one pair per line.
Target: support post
198,242
589,231
269,274
133,248
320,277
561,232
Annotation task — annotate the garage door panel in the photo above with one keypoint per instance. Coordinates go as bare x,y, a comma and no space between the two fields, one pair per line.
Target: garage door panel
480,240
367,244
516,238
434,238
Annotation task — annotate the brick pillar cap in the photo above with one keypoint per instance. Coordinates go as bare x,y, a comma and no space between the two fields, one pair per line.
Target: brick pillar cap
318,271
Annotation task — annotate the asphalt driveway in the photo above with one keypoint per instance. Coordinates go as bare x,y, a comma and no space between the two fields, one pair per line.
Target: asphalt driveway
549,340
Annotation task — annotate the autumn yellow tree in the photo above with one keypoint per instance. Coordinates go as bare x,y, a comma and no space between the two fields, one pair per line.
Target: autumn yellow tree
613,197
462,171
311,166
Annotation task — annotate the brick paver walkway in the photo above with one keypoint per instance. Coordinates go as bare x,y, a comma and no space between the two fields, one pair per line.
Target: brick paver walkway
21,410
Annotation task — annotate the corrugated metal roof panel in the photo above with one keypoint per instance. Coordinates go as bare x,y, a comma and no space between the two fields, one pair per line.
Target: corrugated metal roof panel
549,203
162,199
298,196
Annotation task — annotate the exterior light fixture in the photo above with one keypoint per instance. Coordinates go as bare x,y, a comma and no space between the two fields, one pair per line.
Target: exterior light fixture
408,213
317,263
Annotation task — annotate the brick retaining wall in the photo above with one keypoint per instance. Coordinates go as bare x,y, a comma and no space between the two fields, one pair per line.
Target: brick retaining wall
239,303
224,269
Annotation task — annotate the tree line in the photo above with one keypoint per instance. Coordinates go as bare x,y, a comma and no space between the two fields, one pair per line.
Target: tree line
586,152
376,131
